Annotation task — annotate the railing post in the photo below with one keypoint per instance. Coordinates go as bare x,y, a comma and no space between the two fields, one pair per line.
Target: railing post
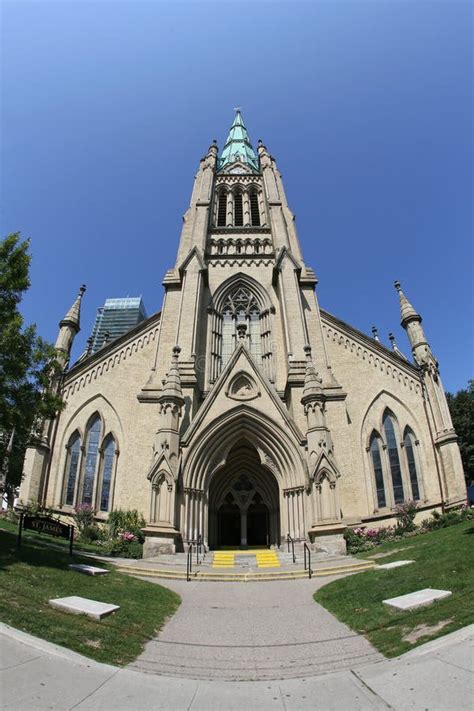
189,562
307,550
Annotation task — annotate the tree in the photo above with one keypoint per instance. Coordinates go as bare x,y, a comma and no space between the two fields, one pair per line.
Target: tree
461,407
29,371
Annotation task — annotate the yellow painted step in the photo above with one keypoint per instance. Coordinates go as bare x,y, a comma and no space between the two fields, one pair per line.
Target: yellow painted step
267,559
223,560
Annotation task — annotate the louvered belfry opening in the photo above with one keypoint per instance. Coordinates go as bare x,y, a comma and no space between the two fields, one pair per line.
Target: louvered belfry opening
254,211
238,210
222,210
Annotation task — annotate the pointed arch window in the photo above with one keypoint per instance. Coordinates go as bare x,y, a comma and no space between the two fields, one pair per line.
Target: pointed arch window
108,461
222,209
409,443
254,209
238,210
241,313
72,467
94,429
376,457
389,425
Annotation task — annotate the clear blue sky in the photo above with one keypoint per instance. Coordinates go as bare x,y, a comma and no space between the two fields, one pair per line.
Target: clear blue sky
107,108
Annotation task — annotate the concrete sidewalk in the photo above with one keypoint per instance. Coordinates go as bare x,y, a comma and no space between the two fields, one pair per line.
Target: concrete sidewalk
38,675
252,632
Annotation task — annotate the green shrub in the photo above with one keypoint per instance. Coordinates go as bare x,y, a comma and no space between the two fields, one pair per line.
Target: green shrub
121,548
405,514
450,518
126,521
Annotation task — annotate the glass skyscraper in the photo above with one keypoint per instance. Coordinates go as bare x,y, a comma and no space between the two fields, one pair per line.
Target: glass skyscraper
114,318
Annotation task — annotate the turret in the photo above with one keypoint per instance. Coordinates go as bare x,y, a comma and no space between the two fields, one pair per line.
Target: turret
313,400
322,466
441,425
171,402
38,453
69,327
161,532
411,322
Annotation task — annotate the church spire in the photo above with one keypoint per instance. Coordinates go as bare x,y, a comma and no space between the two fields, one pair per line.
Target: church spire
73,316
407,311
238,146
69,327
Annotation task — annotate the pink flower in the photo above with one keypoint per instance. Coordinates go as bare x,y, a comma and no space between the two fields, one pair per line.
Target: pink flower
127,536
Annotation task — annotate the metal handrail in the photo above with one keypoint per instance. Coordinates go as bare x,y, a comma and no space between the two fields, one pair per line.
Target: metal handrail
189,562
307,552
289,540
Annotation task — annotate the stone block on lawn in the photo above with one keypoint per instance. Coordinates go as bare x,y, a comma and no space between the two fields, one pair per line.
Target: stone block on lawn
395,564
420,598
83,606
88,569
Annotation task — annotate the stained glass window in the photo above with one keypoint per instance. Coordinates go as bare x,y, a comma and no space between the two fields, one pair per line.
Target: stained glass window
378,470
74,452
107,469
393,457
93,437
241,309
410,455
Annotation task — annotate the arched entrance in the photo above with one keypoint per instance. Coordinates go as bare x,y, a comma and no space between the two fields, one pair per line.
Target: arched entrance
243,501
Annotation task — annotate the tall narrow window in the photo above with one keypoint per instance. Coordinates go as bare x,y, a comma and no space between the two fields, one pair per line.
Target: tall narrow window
254,210
378,470
228,336
393,457
238,210
92,449
241,309
107,470
409,442
72,466
222,210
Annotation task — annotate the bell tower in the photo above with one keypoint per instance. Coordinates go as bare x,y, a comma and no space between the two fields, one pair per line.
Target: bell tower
240,285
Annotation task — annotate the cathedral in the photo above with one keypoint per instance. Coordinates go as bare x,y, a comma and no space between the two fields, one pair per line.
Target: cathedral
242,412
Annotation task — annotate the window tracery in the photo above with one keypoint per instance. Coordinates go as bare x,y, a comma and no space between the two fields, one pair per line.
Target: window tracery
396,476
89,468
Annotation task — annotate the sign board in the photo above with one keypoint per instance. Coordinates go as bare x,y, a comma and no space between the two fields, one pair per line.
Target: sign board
47,525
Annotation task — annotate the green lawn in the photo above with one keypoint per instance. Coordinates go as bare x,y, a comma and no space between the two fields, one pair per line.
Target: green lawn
33,574
444,560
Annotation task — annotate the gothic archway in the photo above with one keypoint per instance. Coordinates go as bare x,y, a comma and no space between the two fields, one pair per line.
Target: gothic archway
244,501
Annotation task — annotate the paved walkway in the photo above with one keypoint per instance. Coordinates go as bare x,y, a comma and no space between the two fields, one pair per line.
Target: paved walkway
252,631
36,675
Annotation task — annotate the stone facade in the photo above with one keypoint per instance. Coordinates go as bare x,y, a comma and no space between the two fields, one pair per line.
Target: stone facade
242,412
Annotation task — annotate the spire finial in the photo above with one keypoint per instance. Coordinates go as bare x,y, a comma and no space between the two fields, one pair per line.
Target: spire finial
375,334
395,348
82,290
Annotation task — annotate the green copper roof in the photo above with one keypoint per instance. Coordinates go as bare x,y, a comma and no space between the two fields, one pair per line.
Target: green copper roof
238,146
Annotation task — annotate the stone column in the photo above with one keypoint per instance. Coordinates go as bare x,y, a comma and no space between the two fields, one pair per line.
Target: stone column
246,210
230,210
243,528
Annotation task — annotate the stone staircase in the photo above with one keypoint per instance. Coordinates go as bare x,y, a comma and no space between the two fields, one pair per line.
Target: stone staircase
244,566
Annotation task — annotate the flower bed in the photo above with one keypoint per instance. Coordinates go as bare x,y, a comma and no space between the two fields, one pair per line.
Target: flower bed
365,539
